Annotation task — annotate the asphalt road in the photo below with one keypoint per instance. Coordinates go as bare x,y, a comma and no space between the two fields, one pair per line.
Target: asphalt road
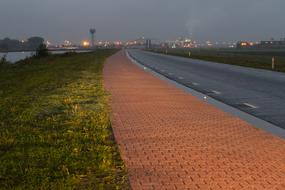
258,92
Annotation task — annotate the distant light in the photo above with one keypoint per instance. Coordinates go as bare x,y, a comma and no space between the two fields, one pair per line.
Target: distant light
67,43
48,43
85,43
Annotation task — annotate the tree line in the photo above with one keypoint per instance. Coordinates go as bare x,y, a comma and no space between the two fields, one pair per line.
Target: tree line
31,44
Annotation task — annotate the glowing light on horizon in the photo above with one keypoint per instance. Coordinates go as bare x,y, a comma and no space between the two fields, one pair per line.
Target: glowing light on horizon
85,43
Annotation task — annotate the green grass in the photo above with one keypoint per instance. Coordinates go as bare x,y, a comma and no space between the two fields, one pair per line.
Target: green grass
260,60
54,125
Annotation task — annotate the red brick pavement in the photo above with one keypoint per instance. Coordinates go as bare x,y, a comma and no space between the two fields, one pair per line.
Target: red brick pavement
169,139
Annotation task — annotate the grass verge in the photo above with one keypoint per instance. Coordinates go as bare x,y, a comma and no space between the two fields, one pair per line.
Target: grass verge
54,125
260,60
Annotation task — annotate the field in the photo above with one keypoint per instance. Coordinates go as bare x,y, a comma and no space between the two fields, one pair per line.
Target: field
54,125
254,59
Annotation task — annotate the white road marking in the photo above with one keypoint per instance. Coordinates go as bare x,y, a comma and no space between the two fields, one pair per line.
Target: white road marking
195,83
180,78
216,92
250,105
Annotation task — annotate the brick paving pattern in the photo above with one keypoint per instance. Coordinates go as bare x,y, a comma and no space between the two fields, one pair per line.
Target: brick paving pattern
169,139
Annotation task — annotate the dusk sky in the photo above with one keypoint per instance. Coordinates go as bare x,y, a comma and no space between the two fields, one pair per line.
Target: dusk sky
216,20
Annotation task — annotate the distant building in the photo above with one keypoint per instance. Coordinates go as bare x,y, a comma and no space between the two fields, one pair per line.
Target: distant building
164,45
187,43
67,43
8,44
182,42
137,43
34,42
271,44
148,44
244,44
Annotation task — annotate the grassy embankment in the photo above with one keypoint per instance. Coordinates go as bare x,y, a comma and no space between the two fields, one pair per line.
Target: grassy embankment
54,125
254,59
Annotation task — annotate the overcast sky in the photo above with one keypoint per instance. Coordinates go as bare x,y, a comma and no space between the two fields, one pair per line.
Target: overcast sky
216,20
